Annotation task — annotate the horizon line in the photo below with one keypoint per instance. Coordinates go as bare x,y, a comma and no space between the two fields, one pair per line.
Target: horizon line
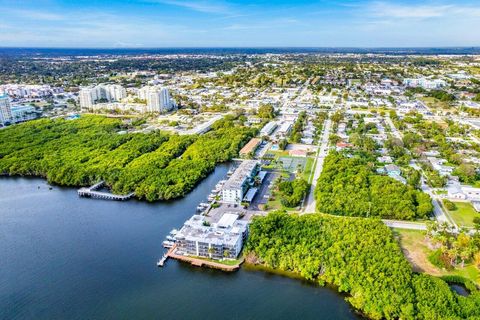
248,47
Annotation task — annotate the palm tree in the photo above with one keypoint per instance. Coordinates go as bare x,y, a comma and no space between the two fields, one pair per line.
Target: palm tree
211,251
465,255
432,228
452,254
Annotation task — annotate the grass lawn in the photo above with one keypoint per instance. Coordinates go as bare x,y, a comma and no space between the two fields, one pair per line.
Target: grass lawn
464,214
307,171
474,70
435,103
416,251
275,204
279,153
225,262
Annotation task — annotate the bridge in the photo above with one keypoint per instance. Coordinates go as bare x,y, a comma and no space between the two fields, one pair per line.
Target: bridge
92,192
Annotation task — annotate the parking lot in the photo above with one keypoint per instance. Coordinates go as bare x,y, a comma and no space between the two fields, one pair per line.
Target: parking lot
264,191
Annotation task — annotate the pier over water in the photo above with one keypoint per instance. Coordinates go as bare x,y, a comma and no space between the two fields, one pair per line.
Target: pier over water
92,192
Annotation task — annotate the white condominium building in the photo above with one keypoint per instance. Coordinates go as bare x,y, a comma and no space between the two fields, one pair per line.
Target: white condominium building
425,83
24,113
158,100
87,97
236,186
5,109
101,93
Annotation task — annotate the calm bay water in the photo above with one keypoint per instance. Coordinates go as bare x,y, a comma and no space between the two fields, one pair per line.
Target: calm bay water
62,257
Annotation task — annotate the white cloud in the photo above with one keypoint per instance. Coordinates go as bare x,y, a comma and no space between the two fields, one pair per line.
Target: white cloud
35,14
382,9
420,11
200,6
97,29
268,24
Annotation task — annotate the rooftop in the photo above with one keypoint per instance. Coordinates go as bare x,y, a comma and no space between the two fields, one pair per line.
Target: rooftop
195,230
250,146
238,178
227,220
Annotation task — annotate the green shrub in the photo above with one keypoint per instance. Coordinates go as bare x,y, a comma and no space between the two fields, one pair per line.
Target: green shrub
449,205
437,258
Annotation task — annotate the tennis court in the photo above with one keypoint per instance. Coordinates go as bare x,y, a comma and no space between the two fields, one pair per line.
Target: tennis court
292,163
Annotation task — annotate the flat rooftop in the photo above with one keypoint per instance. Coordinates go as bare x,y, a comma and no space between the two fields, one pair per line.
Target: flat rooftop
238,178
195,230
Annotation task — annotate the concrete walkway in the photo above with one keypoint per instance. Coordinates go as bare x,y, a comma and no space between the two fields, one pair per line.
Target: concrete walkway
405,224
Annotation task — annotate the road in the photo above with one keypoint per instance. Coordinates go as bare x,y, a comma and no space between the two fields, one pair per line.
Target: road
310,206
395,132
405,225
437,208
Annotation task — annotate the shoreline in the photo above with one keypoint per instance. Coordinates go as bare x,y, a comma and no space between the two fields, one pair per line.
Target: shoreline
248,266
54,184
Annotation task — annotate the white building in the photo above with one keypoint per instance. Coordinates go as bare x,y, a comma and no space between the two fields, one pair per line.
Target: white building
24,113
28,90
236,186
117,92
87,97
223,240
158,100
101,93
268,128
5,109
457,191
424,83
439,165
284,129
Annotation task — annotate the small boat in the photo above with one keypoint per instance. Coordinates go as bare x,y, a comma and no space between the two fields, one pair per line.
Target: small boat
173,232
170,238
168,244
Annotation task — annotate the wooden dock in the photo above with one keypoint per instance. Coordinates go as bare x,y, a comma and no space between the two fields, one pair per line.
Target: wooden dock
92,192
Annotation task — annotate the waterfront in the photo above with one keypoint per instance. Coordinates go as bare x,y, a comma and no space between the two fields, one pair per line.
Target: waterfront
67,257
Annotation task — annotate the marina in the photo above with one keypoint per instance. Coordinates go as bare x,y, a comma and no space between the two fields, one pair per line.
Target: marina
104,254
214,236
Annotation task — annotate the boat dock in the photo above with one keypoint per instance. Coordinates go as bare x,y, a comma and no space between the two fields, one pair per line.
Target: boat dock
162,260
92,192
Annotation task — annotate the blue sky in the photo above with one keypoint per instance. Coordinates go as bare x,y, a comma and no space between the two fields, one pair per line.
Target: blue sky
233,23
